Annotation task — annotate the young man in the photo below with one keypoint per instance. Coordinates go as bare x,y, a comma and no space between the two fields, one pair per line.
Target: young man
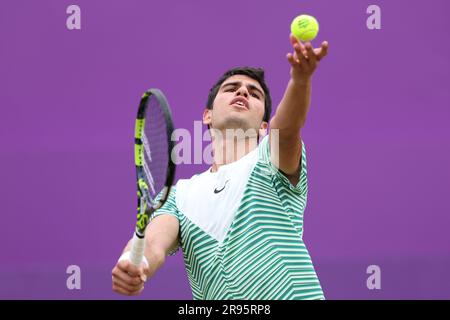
240,223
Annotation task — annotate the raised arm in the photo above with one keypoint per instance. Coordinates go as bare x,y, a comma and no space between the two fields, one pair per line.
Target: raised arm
292,111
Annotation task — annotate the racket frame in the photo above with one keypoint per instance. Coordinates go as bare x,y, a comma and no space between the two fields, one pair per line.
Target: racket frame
146,205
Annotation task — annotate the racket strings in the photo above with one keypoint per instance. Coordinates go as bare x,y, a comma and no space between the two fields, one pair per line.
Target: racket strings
156,147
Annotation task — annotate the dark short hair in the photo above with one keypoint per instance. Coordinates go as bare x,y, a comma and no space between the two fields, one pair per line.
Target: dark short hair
254,73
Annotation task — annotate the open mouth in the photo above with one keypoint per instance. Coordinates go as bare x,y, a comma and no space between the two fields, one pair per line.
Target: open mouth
240,103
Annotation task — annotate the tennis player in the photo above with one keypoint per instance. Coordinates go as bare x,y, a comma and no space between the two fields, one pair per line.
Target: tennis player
240,223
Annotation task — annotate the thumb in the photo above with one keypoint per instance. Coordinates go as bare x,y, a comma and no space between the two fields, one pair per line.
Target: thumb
144,271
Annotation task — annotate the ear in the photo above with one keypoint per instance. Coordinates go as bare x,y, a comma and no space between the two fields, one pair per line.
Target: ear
207,116
263,129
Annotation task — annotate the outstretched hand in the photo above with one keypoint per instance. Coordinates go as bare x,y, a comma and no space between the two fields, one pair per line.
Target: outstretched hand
304,59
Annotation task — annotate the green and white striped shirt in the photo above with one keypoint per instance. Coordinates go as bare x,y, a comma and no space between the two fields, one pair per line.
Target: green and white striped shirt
241,231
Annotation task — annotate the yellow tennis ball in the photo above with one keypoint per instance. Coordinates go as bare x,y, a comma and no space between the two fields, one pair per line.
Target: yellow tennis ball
304,27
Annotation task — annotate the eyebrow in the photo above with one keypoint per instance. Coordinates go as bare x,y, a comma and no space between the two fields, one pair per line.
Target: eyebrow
239,83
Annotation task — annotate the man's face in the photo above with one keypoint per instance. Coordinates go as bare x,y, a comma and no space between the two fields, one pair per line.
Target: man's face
239,104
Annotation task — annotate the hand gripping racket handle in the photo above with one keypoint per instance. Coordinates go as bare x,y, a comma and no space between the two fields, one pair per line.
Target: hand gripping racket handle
137,250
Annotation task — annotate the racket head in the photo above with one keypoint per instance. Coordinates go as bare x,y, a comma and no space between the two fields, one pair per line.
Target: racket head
155,169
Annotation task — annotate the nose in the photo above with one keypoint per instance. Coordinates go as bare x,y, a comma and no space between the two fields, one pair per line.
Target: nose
243,91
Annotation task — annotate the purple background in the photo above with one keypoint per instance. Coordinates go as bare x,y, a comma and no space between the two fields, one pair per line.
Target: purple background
377,135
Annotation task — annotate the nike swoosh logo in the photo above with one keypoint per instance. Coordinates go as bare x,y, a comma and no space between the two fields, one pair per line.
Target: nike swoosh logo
217,191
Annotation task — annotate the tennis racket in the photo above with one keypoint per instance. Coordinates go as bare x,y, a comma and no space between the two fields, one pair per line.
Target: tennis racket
155,169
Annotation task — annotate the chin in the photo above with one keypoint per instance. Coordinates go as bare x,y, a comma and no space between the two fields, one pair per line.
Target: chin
235,123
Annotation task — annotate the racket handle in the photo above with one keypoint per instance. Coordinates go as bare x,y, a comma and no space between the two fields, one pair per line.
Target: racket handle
137,250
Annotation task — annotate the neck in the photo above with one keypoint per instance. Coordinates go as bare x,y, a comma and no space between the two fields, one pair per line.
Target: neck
230,146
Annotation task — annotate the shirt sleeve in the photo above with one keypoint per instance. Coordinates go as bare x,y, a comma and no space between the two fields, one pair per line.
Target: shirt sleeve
280,179
169,207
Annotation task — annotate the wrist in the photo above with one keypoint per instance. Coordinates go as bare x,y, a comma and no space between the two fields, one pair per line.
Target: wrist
302,81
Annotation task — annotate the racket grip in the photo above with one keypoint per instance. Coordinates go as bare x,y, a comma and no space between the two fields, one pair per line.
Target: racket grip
137,250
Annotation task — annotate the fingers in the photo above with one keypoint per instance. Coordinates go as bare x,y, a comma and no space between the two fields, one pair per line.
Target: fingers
126,292
322,51
310,54
128,279
299,60
122,287
304,59
118,283
125,277
291,59
299,53
297,44
293,39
